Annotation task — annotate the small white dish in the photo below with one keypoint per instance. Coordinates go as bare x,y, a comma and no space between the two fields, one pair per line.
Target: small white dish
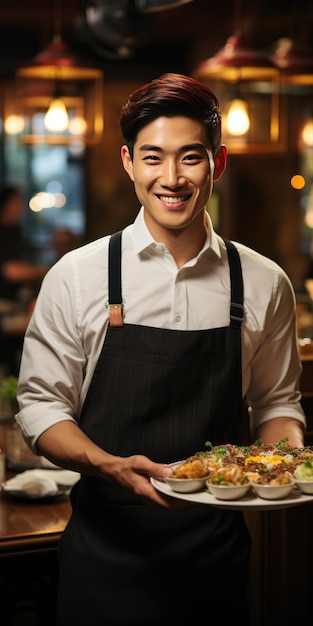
228,492
306,486
273,492
250,502
186,485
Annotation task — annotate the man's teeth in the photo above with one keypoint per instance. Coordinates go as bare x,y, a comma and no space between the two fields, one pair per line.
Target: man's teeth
173,199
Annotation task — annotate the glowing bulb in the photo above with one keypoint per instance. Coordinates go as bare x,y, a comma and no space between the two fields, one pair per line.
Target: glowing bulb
77,126
307,133
14,124
237,120
309,218
56,118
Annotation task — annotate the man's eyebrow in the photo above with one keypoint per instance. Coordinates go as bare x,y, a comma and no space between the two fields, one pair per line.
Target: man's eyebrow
193,146
146,147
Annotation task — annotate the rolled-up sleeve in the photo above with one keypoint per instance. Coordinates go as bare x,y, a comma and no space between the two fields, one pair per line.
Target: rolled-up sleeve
53,359
274,374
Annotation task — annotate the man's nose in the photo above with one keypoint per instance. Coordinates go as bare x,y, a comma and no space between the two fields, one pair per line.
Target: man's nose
172,173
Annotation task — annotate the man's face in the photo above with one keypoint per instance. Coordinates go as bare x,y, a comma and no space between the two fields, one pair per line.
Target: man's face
173,170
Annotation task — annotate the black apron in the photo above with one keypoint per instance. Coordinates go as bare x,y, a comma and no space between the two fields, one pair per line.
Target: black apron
162,393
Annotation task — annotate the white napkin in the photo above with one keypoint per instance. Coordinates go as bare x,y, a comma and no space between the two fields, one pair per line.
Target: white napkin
41,483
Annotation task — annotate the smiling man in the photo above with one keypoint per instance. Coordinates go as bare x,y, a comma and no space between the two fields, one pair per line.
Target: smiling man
141,348
174,181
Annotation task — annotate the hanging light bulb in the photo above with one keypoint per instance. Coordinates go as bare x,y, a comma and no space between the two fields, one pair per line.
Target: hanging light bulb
14,124
253,74
237,119
56,119
77,126
53,89
307,133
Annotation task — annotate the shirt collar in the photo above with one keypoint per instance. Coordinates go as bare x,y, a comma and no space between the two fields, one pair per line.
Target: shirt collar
142,237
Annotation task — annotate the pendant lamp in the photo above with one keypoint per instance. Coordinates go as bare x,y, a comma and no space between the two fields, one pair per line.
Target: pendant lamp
294,64
242,77
60,97
296,76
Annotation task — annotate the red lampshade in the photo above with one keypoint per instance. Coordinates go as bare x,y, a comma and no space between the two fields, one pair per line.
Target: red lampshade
58,72
236,61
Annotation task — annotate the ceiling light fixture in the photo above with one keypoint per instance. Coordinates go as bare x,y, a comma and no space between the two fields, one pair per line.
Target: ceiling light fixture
295,65
296,85
57,92
307,133
237,72
56,119
237,118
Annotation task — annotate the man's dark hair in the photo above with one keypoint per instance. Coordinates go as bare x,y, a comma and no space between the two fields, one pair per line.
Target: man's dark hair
171,95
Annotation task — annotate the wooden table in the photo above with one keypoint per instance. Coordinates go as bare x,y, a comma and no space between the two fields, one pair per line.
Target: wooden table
29,535
30,526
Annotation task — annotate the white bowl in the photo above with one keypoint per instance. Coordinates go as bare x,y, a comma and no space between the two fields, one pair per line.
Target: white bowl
273,492
306,486
228,492
186,485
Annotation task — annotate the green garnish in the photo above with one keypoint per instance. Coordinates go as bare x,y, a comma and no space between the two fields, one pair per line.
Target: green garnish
308,463
281,445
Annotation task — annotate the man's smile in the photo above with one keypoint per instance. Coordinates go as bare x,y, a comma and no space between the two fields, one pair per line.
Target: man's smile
174,199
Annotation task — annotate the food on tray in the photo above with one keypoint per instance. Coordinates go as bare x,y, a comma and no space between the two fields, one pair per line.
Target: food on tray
272,477
231,474
195,467
260,463
267,460
304,470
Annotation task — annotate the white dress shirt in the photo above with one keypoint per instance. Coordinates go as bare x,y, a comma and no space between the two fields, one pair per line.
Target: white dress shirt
67,329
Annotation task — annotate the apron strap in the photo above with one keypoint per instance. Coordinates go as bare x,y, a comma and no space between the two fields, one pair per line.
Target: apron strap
115,287
236,282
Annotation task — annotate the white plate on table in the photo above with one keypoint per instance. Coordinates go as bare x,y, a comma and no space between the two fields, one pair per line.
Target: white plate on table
250,502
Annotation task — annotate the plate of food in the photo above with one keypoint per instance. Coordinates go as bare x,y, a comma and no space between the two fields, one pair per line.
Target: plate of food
256,477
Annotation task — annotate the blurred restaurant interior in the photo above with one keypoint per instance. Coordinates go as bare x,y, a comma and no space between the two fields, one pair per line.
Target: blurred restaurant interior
88,56
258,201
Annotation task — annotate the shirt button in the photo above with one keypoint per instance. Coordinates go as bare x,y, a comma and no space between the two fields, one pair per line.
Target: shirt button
177,318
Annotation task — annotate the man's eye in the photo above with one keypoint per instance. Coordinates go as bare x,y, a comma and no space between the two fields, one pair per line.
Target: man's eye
151,157
194,158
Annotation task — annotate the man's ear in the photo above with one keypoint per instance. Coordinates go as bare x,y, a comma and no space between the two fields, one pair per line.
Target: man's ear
127,162
220,162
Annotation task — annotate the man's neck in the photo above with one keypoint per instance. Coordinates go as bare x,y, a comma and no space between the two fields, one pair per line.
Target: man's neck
185,243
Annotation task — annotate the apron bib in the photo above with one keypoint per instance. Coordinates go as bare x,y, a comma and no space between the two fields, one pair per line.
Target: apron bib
161,393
